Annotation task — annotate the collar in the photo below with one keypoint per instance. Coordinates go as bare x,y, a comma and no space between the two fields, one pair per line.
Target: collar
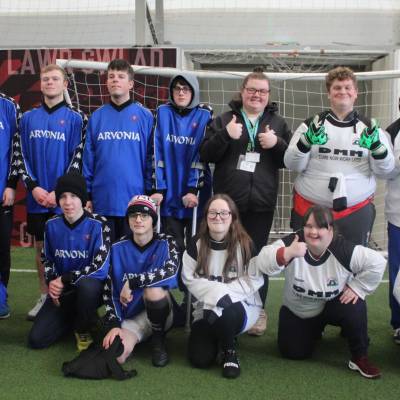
50,110
121,106
181,111
315,262
215,245
77,222
142,249
350,119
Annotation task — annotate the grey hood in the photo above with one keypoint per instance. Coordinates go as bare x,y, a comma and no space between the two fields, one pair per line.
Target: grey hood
192,82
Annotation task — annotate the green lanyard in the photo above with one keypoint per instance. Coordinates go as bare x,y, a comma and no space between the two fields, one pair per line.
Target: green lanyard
252,129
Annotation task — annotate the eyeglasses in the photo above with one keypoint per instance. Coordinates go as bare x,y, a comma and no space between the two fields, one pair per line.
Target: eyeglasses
142,216
251,90
224,214
183,89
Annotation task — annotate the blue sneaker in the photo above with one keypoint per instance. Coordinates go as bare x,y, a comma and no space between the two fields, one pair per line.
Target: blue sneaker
4,311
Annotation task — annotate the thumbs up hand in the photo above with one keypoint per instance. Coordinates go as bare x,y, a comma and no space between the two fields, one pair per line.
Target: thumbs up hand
296,249
267,139
234,128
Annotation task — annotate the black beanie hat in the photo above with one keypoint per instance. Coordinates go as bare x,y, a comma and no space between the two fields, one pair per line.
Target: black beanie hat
74,183
143,204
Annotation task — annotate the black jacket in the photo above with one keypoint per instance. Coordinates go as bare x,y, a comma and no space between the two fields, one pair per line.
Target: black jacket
256,191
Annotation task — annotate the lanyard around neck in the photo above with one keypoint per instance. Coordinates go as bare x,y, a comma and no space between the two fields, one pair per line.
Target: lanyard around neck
252,129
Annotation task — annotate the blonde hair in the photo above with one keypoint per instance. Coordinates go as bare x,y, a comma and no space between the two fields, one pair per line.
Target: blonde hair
54,67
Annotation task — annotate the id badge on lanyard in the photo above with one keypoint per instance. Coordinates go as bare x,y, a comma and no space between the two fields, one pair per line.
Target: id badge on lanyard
248,162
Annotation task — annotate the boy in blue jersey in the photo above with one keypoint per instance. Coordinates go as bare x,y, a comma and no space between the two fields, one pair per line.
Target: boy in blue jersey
9,117
117,159
51,140
179,174
143,267
76,260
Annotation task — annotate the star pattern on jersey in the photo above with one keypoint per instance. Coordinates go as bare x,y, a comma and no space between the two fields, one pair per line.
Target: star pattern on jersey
99,258
164,272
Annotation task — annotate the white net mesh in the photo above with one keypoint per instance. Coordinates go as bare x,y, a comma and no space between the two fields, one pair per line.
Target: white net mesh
296,98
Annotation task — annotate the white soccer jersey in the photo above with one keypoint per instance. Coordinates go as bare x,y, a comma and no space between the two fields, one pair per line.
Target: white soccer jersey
310,283
213,292
342,158
392,198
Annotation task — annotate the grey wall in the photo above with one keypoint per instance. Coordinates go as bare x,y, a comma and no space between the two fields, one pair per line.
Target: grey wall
210,28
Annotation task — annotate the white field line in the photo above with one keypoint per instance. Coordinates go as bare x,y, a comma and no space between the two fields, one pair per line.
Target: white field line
272,278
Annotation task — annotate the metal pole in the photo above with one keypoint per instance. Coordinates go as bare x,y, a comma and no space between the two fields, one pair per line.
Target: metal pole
189,295
140,22
158,218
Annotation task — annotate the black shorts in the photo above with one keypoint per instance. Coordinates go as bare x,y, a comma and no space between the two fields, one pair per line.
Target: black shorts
119,227
36,224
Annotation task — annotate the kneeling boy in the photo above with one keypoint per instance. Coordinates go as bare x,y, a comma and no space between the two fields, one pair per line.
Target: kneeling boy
143,267
76,260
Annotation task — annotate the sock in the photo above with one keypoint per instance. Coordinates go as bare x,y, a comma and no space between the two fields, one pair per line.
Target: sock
157,313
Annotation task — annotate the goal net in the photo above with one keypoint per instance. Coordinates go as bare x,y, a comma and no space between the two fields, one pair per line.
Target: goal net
298,95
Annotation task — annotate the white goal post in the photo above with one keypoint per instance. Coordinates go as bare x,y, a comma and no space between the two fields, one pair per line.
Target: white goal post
298,95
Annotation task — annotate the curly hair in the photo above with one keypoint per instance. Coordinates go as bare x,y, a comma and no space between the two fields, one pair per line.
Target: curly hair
341,74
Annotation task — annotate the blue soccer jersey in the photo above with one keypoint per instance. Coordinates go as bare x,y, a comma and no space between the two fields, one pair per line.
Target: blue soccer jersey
9,117
117,156
78,250
154,265
178,170
50,139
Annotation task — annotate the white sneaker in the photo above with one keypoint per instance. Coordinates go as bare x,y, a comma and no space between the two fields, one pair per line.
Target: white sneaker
32,313
396,336
259,328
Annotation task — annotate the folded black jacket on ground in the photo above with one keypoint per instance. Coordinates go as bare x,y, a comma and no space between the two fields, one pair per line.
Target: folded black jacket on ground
98,363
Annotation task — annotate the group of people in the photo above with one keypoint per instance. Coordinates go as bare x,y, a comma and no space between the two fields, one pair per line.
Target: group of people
97,189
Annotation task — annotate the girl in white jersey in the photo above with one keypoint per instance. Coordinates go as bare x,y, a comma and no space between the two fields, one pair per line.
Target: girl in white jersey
326,281
215,271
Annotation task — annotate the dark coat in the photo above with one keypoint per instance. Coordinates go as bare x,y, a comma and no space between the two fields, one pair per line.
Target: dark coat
256,191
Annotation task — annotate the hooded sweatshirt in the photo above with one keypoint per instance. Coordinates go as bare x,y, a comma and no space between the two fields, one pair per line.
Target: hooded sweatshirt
178,134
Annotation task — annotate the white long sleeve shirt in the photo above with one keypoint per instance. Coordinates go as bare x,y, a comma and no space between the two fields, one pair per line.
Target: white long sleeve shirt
340,157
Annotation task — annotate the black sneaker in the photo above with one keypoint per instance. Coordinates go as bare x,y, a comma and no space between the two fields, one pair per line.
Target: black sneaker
231,366
159,357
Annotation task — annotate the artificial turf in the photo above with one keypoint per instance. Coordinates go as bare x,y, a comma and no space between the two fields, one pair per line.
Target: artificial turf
36,374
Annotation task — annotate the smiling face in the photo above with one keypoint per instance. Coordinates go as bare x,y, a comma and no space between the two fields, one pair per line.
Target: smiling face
119,85
71,206
52,85
219,219
255,95
317,238
342,96
141,224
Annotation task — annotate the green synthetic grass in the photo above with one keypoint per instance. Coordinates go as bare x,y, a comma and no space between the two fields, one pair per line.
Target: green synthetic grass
36,374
